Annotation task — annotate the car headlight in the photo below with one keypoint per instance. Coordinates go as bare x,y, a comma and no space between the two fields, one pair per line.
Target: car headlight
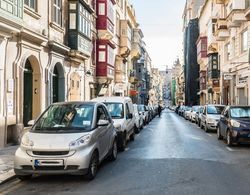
118,127
210,120
234,123
81,141
25,141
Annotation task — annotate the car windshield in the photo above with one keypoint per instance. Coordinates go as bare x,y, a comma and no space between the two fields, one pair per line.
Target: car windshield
188,108
240,112
65,118
141,108
195,108
116,110
215,109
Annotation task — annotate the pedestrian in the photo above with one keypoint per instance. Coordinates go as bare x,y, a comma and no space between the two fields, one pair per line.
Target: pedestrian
159,110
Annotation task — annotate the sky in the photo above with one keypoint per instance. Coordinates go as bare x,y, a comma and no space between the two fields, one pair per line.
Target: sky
161,23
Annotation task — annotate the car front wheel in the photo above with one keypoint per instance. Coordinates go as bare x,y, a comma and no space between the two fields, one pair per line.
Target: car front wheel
219,136
93,166
113,153
229,140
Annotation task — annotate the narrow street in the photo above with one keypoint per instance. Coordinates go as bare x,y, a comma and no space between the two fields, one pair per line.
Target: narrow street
169,156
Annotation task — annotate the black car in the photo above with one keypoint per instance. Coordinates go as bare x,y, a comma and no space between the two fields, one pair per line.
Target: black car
234,125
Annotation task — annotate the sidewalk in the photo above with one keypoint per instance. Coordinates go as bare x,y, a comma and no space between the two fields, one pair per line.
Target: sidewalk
6,163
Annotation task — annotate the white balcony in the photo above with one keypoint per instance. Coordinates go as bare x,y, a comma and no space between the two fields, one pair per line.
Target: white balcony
222,35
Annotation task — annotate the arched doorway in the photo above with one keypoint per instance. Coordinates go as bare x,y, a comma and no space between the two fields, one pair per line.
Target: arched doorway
31,90
58,84
27,93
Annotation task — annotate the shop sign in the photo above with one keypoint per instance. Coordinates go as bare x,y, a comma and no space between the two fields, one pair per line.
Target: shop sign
243,79
228,76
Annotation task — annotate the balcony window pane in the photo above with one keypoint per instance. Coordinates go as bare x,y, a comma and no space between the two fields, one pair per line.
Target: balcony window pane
31,4
84,21
101,9
102,56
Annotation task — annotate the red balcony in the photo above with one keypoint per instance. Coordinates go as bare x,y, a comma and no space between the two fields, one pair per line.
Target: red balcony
105,59
105,19
201,48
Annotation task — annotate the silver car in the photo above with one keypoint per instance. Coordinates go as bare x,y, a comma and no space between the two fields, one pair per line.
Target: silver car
211,116
68,138
138,119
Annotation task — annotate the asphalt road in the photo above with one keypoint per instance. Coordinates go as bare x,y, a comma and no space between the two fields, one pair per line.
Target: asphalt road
169,156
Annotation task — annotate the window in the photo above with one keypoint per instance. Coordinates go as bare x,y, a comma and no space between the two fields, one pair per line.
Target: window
244,41
84,21
101,56
101,9
31,3
101,115
110,11
111,56
57,12
117,24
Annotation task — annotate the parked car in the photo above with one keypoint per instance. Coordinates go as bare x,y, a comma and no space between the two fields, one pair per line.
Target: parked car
122,113
234,125
143,111
187,112
151,112
198,115
211,116
68,138
181,110
194,110
138,119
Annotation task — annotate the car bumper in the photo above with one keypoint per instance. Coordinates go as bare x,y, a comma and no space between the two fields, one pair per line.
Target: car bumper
212,126
240,136
75,164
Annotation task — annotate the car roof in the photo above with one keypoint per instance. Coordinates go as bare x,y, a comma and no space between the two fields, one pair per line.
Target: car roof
112,99
239,106
76,103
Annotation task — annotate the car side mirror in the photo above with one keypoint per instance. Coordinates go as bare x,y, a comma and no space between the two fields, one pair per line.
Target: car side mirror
31,122
102,123
130,116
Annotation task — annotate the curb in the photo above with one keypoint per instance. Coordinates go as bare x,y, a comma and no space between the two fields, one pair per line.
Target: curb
5,177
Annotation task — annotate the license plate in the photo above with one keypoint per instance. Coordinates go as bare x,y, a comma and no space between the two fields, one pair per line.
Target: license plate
45,162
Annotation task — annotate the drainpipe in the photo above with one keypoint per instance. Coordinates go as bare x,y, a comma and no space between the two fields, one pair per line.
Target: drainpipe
5,92
48,85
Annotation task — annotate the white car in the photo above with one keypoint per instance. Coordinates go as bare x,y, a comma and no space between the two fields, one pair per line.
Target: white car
143,111
68,138
138,119
122,112
193,113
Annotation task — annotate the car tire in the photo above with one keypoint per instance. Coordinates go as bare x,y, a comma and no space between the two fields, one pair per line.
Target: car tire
229,140
113,152
132,136
219,136
24,177
93,166
123,142
136,129
206,129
